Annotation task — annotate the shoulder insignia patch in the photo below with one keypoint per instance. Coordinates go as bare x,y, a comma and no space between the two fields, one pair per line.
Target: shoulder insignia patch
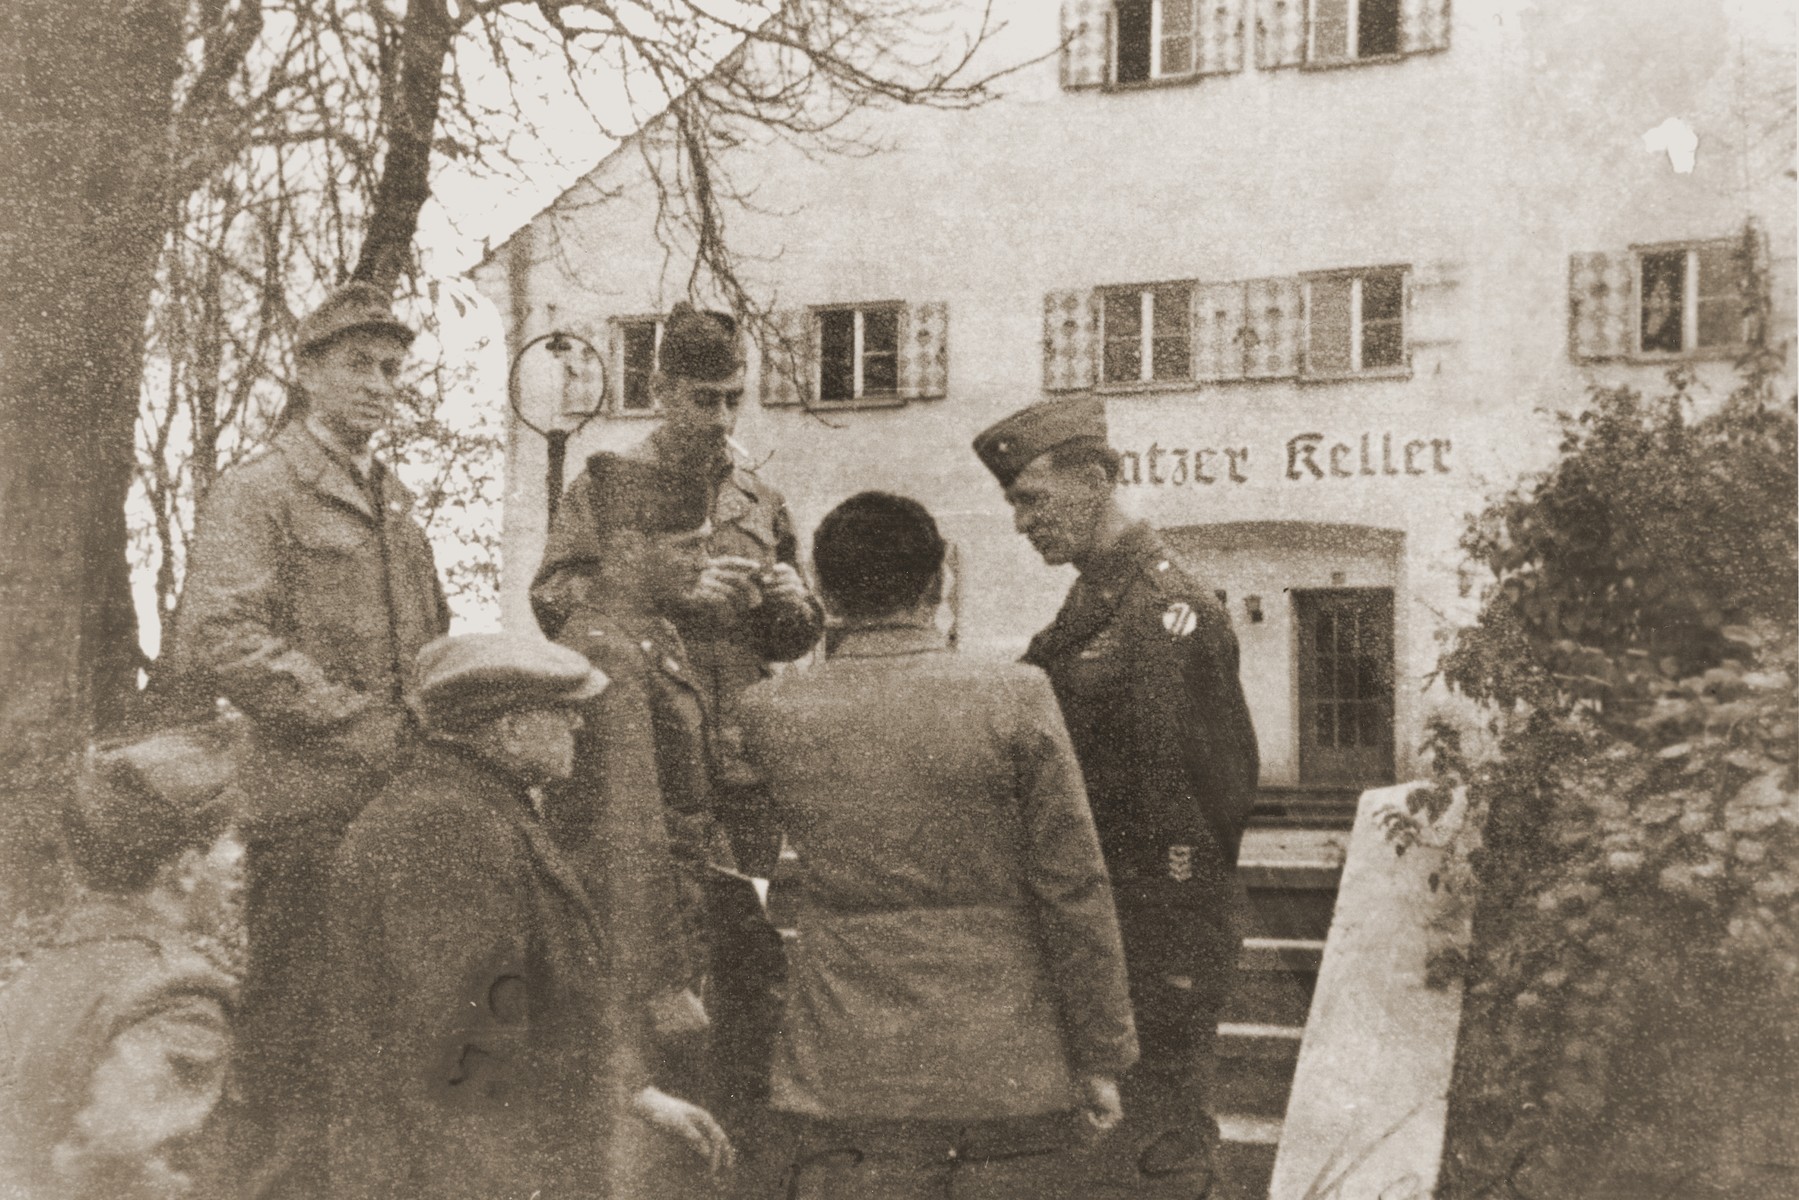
1180,619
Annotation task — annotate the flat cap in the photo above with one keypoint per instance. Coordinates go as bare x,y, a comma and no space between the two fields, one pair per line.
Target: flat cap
1008,446
474,677
699,344
352,306
645,494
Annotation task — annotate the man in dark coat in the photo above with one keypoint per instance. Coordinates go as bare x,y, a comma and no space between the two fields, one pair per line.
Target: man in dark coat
310,590
958,989
471,1051
1144,664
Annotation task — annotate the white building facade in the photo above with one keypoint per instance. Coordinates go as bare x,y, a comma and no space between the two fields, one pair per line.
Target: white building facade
1325,260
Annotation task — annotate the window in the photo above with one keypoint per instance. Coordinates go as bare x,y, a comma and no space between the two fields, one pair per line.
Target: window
638,340
1147,333
1691,299
1355,322
1348,29
1345,665
1159,40
858,354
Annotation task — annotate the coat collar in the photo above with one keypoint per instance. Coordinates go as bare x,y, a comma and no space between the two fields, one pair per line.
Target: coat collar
330,474
888,641
1098,592
1112,570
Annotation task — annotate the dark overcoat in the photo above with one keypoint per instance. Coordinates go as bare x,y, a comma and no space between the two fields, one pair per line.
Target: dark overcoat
471,1050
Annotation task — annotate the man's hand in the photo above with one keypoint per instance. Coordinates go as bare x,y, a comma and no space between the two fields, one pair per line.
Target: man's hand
729,582
1100,1102
689,1122
677,1014
783,585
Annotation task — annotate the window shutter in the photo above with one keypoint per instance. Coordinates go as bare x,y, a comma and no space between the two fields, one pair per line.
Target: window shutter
1218,331
1219,29
1328,334
1280,33
1085,43
1069,332
1423,25
615,365
1271,334
924,352
1601,305
787,359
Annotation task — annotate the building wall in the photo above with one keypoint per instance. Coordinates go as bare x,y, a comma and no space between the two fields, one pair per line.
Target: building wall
1483,167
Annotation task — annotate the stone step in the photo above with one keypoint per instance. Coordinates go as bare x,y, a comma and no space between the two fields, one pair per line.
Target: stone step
1245,1162
1275,981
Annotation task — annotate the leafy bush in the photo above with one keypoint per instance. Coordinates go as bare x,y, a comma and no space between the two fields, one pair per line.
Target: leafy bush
1634,969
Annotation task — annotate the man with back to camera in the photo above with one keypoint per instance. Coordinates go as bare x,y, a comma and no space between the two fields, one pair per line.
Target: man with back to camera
1144,663
310,590
957,989
473,1055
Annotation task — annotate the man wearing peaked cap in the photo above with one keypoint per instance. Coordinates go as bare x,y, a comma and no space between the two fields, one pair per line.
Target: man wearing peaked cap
310,590
474,1050
1144,666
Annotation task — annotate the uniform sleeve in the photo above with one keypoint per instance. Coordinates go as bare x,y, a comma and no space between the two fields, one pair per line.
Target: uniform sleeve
571,553
1217,737
783,631
229,626
1071,894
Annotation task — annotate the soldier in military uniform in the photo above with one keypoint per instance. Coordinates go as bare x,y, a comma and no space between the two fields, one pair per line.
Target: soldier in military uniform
1144,664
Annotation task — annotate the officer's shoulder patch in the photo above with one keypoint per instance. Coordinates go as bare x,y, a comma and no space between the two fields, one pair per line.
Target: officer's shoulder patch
1180,619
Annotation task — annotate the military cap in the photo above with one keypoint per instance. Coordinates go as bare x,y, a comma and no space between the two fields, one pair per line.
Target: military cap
475,677
1010,445
646,495
699,344
353,306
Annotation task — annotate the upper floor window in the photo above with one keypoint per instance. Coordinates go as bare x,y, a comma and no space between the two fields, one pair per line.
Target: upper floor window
1692,299
1147,333
855,354
1155,39
638,340
1355,321
1674,299
858,353
1346,29
1141,41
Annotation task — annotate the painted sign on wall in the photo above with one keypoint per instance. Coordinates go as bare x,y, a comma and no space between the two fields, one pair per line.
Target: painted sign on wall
1303,458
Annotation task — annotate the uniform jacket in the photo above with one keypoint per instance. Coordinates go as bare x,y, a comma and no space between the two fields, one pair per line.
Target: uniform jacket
119,988
471,1050
749,520
1144,664
636,817
307,599
957,953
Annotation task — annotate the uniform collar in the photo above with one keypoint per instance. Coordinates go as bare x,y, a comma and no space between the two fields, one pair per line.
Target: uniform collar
889,641
361,461
1136,547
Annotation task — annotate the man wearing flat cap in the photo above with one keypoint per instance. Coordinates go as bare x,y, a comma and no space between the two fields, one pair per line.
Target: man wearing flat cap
473,1054
1144,665
310,590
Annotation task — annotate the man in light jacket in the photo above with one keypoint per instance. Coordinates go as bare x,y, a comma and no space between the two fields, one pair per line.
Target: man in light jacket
957,998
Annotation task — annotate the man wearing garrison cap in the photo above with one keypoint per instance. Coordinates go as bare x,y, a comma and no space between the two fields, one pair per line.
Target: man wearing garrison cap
1144,665
309,592
750,607
474,1050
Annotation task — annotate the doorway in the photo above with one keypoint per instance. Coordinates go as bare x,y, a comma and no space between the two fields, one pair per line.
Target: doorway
1345,661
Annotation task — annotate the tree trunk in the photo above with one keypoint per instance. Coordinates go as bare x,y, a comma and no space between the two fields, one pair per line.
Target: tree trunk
88,94
406,171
